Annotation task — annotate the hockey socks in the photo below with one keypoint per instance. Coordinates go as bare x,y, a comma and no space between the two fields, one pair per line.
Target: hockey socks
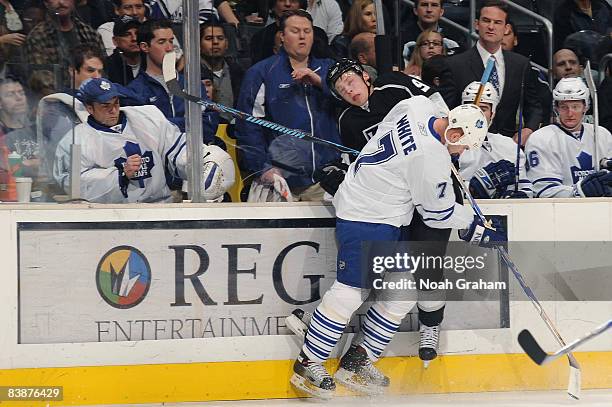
378,329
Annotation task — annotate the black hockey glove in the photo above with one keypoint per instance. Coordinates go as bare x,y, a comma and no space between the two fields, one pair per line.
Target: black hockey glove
484,235
492,180
596,184
331,176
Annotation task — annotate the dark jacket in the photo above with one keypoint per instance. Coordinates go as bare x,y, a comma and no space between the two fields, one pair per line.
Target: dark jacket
570,19
467,67
605,103
236,75
268,90
117,70
153,93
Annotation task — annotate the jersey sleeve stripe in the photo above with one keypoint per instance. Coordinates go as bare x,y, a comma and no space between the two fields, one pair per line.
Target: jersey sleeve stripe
452,208
557,180
175,157
444,218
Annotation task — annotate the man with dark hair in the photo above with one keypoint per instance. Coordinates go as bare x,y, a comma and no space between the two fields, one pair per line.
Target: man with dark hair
131,8
50,42
510,70
125,62
156,38
85,63
227,75
262,43
289,89
427,14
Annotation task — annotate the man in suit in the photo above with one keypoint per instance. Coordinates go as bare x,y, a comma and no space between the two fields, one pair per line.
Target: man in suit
506,76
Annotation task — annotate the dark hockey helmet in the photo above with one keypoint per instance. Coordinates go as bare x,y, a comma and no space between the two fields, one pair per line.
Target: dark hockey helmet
338,69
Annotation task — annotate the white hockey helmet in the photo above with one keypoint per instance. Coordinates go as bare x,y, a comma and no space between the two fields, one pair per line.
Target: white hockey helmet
489,94
218,173
472,121
572,89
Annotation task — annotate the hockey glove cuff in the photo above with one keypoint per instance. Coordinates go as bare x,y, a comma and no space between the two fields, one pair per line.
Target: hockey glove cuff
484,235
491,180
331,176
594,185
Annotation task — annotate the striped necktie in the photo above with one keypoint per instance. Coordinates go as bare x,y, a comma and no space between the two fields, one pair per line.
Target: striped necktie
494,78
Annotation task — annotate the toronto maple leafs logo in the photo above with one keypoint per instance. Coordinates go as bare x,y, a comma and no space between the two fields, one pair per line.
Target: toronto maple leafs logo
146,162
479,124
584,168
104,85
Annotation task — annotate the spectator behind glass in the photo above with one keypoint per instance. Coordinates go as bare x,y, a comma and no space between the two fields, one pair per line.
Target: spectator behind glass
434,69
262,42
566,64
125,62
155,38
11,37
132,8
426,16
226,74
361,18
326,14
95,12
51,41
208,9
288,89
428,44
506,77
577,15
509,42
33,14
363,50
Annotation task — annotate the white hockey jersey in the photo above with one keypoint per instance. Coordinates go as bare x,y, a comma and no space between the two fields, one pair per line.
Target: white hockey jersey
557,159
145,132
495,148
402,167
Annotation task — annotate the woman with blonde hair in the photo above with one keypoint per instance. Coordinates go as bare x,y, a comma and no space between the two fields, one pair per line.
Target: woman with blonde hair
360,18
428,44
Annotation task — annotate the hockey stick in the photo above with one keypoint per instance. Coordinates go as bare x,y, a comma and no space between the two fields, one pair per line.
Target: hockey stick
588,75
519,140
484,79
174,88
539,356
574,378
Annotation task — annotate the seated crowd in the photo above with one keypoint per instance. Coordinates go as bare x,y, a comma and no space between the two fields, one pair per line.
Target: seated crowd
80,72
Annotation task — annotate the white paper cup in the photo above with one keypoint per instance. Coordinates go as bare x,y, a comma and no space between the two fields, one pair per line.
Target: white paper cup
24,189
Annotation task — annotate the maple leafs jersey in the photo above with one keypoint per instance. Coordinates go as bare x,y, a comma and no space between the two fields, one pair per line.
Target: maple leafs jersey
357,125
142,130
403,167
495,148
558,159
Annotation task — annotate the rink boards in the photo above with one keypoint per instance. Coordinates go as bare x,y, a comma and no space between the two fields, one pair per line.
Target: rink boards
205,321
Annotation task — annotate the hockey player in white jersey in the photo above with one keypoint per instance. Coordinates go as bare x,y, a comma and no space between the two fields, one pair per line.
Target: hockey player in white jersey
128,152
405,167
560,156
491,169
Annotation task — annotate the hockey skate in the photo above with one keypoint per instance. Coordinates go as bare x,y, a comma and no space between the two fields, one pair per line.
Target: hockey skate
312,378
428,345
298,322
359,374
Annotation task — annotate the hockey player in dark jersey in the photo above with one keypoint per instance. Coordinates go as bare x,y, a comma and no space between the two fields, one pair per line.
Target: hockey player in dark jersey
369,104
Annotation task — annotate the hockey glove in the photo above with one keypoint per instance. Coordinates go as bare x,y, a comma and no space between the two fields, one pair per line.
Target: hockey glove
596,184
492,180
484,235
512,194
331,176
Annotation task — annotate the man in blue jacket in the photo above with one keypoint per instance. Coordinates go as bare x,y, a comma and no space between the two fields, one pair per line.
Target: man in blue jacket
155,38
287,89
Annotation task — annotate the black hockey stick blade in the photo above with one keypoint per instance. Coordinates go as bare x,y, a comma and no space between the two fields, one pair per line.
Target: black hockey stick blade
531,347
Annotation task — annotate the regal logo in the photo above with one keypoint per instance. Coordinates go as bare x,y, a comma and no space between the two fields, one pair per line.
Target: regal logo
123,277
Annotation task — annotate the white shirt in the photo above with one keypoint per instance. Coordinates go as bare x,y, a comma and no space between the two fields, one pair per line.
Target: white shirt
500,64
326,14
403,167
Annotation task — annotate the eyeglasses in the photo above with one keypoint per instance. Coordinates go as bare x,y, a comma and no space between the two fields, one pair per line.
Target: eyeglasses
427,44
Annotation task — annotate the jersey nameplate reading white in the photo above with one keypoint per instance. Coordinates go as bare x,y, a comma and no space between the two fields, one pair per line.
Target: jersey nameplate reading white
404,132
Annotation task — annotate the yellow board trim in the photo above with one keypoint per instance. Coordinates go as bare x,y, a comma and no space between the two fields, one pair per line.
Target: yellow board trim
270,379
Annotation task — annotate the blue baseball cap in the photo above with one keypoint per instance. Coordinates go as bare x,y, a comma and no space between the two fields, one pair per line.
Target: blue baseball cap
98,90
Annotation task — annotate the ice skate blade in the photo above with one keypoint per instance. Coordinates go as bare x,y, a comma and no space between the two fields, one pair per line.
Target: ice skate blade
296,325
426,363
350,380
302,385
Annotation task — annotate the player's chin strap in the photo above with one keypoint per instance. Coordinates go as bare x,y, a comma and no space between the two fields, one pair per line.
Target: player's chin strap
575,373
